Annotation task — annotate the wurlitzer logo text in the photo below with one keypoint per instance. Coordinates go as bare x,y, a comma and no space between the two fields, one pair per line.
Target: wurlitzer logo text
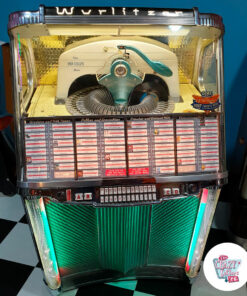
227,269
115,11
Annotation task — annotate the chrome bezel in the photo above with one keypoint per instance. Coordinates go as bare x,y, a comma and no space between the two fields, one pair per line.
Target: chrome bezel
184,17
98,182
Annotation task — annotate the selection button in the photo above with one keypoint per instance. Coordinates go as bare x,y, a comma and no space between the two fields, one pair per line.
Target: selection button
88,196
167,191
175,191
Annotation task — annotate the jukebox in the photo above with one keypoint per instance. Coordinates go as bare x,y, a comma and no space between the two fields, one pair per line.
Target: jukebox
120,138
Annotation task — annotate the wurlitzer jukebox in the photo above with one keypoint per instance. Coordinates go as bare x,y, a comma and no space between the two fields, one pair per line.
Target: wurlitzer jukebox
119,137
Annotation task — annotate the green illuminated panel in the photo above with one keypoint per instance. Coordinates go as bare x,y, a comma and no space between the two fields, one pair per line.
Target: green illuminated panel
121,239
74,233
172,227
123,234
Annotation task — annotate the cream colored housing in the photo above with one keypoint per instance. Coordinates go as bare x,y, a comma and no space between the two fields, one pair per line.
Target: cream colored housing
88,56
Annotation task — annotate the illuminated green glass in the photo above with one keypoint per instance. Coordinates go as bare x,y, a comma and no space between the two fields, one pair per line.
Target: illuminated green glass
172,228
123,235
121,239
75,237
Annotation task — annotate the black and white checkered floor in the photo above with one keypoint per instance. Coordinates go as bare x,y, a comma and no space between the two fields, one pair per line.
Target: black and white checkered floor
21,273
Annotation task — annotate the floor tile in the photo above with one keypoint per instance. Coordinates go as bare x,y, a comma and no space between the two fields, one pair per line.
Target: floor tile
24,219
129,285
13,276
137,293
158,287
18,246
5,227
103,290
69,293
11,208
34,286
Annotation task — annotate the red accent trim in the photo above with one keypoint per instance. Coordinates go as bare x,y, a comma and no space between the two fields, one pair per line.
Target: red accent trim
60,158
40,159
136,132
34,127
64,134
84,125
39,175
40,151
187,267
161,123
109,125
37,136
204,195
211,167
214,152
63,126
137,140
86,134
210,159
134,123
30,144
68,194
183,123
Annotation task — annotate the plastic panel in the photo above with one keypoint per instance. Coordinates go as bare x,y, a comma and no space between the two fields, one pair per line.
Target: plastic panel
125,241
41,229
74,231
171,231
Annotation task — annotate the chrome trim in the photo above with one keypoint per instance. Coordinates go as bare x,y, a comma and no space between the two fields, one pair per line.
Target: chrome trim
221,88
20,18
211,20
17,112
94,183
116,19
30,80
193,178
125,204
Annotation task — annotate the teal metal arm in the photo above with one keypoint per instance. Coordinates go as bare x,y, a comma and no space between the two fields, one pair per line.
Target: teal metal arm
158,67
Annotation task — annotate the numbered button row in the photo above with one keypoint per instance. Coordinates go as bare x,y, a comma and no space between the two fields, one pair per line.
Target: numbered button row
127,190
128,198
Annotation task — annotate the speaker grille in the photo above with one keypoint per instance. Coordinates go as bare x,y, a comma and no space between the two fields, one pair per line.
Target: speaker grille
123,236
75,237
171,231
125,240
